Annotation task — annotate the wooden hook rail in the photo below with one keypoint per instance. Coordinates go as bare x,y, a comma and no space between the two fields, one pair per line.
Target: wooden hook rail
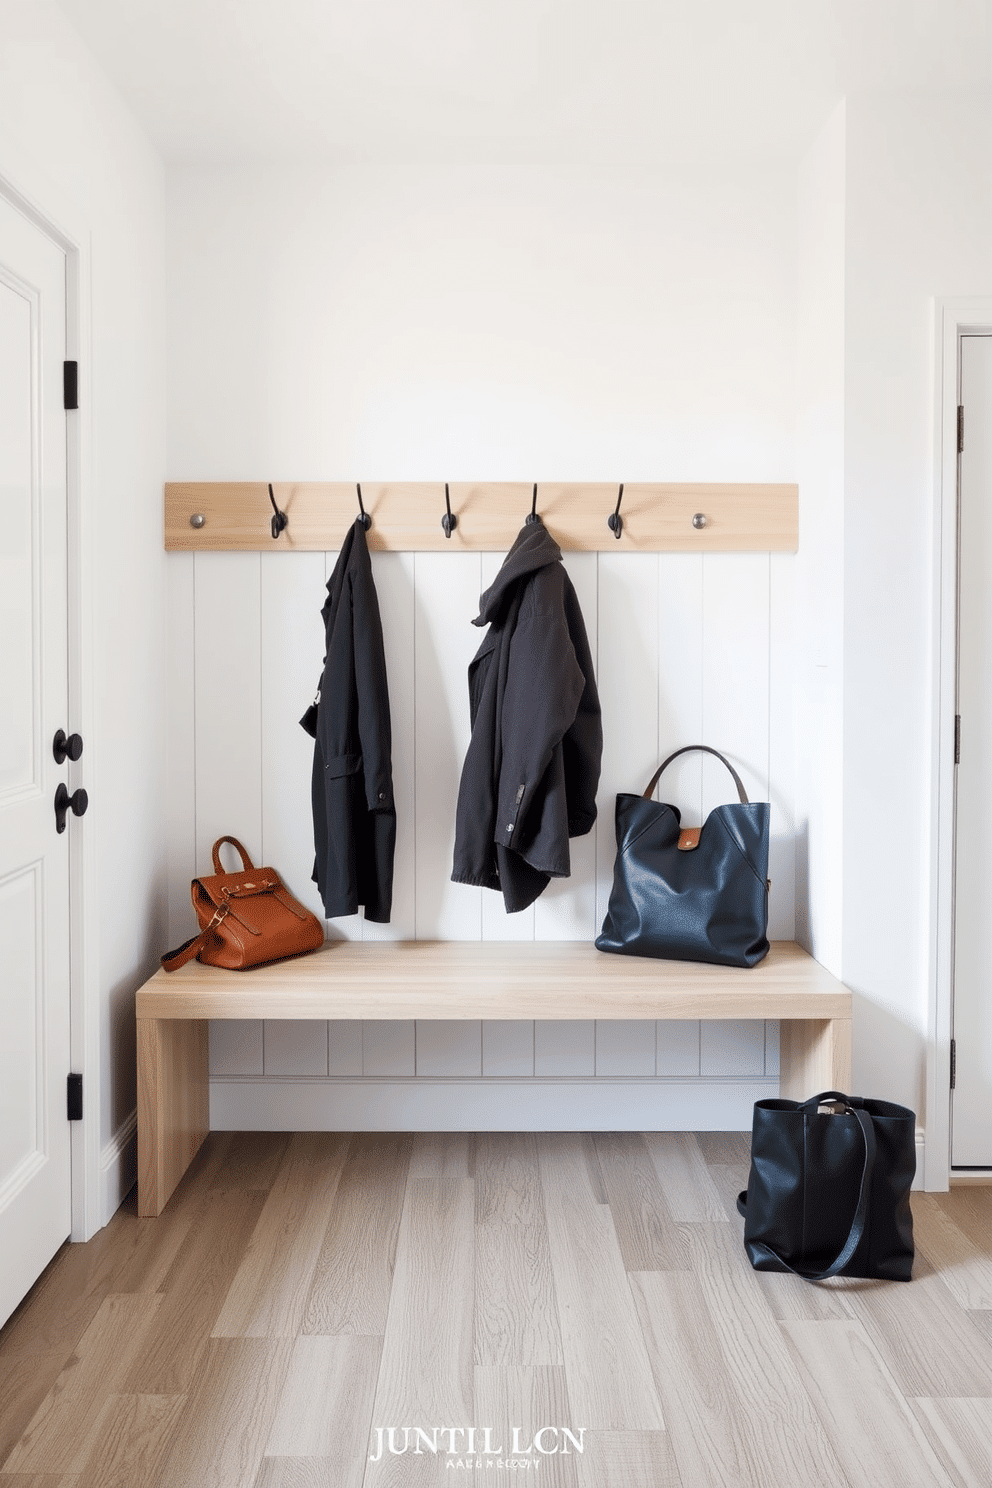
221,516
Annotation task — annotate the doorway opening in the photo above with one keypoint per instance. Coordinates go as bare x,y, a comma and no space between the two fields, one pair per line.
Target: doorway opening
959,1050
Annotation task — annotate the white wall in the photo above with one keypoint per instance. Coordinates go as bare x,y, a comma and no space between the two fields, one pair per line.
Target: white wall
819,676
461,323
918,225
68,144
484,324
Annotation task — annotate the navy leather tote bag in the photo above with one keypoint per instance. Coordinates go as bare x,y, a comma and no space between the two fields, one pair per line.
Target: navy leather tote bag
697,895
828,1190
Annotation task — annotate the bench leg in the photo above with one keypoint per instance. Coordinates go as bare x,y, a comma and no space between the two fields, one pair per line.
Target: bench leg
173,1105
815,1056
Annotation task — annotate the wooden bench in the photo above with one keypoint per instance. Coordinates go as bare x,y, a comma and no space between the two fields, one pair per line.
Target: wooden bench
461,979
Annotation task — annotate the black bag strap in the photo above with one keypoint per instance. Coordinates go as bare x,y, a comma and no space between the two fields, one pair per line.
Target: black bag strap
691,749
172,960
861,1211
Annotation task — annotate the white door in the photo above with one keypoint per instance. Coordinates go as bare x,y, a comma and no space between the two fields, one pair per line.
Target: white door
34,857
971,1098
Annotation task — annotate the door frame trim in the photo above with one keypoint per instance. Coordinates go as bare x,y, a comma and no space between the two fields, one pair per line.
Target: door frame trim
953,318
48,208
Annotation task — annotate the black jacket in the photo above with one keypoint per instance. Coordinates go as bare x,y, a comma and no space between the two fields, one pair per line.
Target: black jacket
532,767
354,816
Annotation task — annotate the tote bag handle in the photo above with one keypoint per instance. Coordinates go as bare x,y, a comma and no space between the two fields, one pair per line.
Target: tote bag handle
692,749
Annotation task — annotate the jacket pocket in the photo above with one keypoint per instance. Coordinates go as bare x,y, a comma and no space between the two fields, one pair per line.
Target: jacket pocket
342,764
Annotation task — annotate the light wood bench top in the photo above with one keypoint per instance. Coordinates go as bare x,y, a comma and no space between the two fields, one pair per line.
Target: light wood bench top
497,979
461,979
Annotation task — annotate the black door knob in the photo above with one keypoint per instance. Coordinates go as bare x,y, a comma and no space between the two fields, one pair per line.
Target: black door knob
64,748
76,803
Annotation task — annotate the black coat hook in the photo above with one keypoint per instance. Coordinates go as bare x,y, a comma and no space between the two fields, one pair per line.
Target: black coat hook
279,518
364,517
615,521
448,521
534,514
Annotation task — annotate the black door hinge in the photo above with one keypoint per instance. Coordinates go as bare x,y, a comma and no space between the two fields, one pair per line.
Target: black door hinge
74,1098
70,384
960,427
957,738
954,1064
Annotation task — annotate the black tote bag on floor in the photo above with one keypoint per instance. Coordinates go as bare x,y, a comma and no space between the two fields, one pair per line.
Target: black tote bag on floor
828,1191
697,895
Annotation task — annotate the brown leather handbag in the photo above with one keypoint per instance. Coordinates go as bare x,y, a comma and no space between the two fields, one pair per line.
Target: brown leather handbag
246,919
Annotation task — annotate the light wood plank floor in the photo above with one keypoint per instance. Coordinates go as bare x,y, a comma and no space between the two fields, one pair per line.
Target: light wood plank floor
301,1292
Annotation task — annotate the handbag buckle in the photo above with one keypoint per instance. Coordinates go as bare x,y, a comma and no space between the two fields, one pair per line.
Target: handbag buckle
220,913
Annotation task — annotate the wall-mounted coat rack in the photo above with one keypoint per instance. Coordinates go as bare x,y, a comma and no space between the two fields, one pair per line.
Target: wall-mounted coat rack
219,516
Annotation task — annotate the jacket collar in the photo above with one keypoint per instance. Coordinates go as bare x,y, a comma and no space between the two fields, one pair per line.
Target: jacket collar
533,548
355,550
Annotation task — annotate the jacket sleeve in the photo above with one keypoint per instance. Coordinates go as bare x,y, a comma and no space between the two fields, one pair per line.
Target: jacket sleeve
374,733
544,686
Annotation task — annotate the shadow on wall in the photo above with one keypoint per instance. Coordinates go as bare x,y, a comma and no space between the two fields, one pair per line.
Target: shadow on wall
889,1055
889,1052
120,1004
804,929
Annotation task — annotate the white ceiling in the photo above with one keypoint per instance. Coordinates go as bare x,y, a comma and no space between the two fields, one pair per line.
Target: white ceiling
565,81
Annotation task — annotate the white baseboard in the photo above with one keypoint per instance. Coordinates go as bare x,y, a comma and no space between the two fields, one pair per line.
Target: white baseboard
419,1104
919,1182
118,1167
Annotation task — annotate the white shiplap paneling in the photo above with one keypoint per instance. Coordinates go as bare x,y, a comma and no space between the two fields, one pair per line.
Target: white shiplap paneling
228,704
732,1047
449,1046
625,1046
627,644
236,1047
389,1048
564,1048
292,645
567,908
395,586
677,1045
735,674
448,589
781,749
507,1047
181,681
344,1047
295,1046
680,681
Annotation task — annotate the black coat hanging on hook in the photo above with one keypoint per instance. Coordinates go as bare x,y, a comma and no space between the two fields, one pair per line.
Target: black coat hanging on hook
354,815
530,775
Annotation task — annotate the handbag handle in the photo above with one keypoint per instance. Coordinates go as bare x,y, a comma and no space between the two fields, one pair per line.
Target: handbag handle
691,749
859,1221
246,861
